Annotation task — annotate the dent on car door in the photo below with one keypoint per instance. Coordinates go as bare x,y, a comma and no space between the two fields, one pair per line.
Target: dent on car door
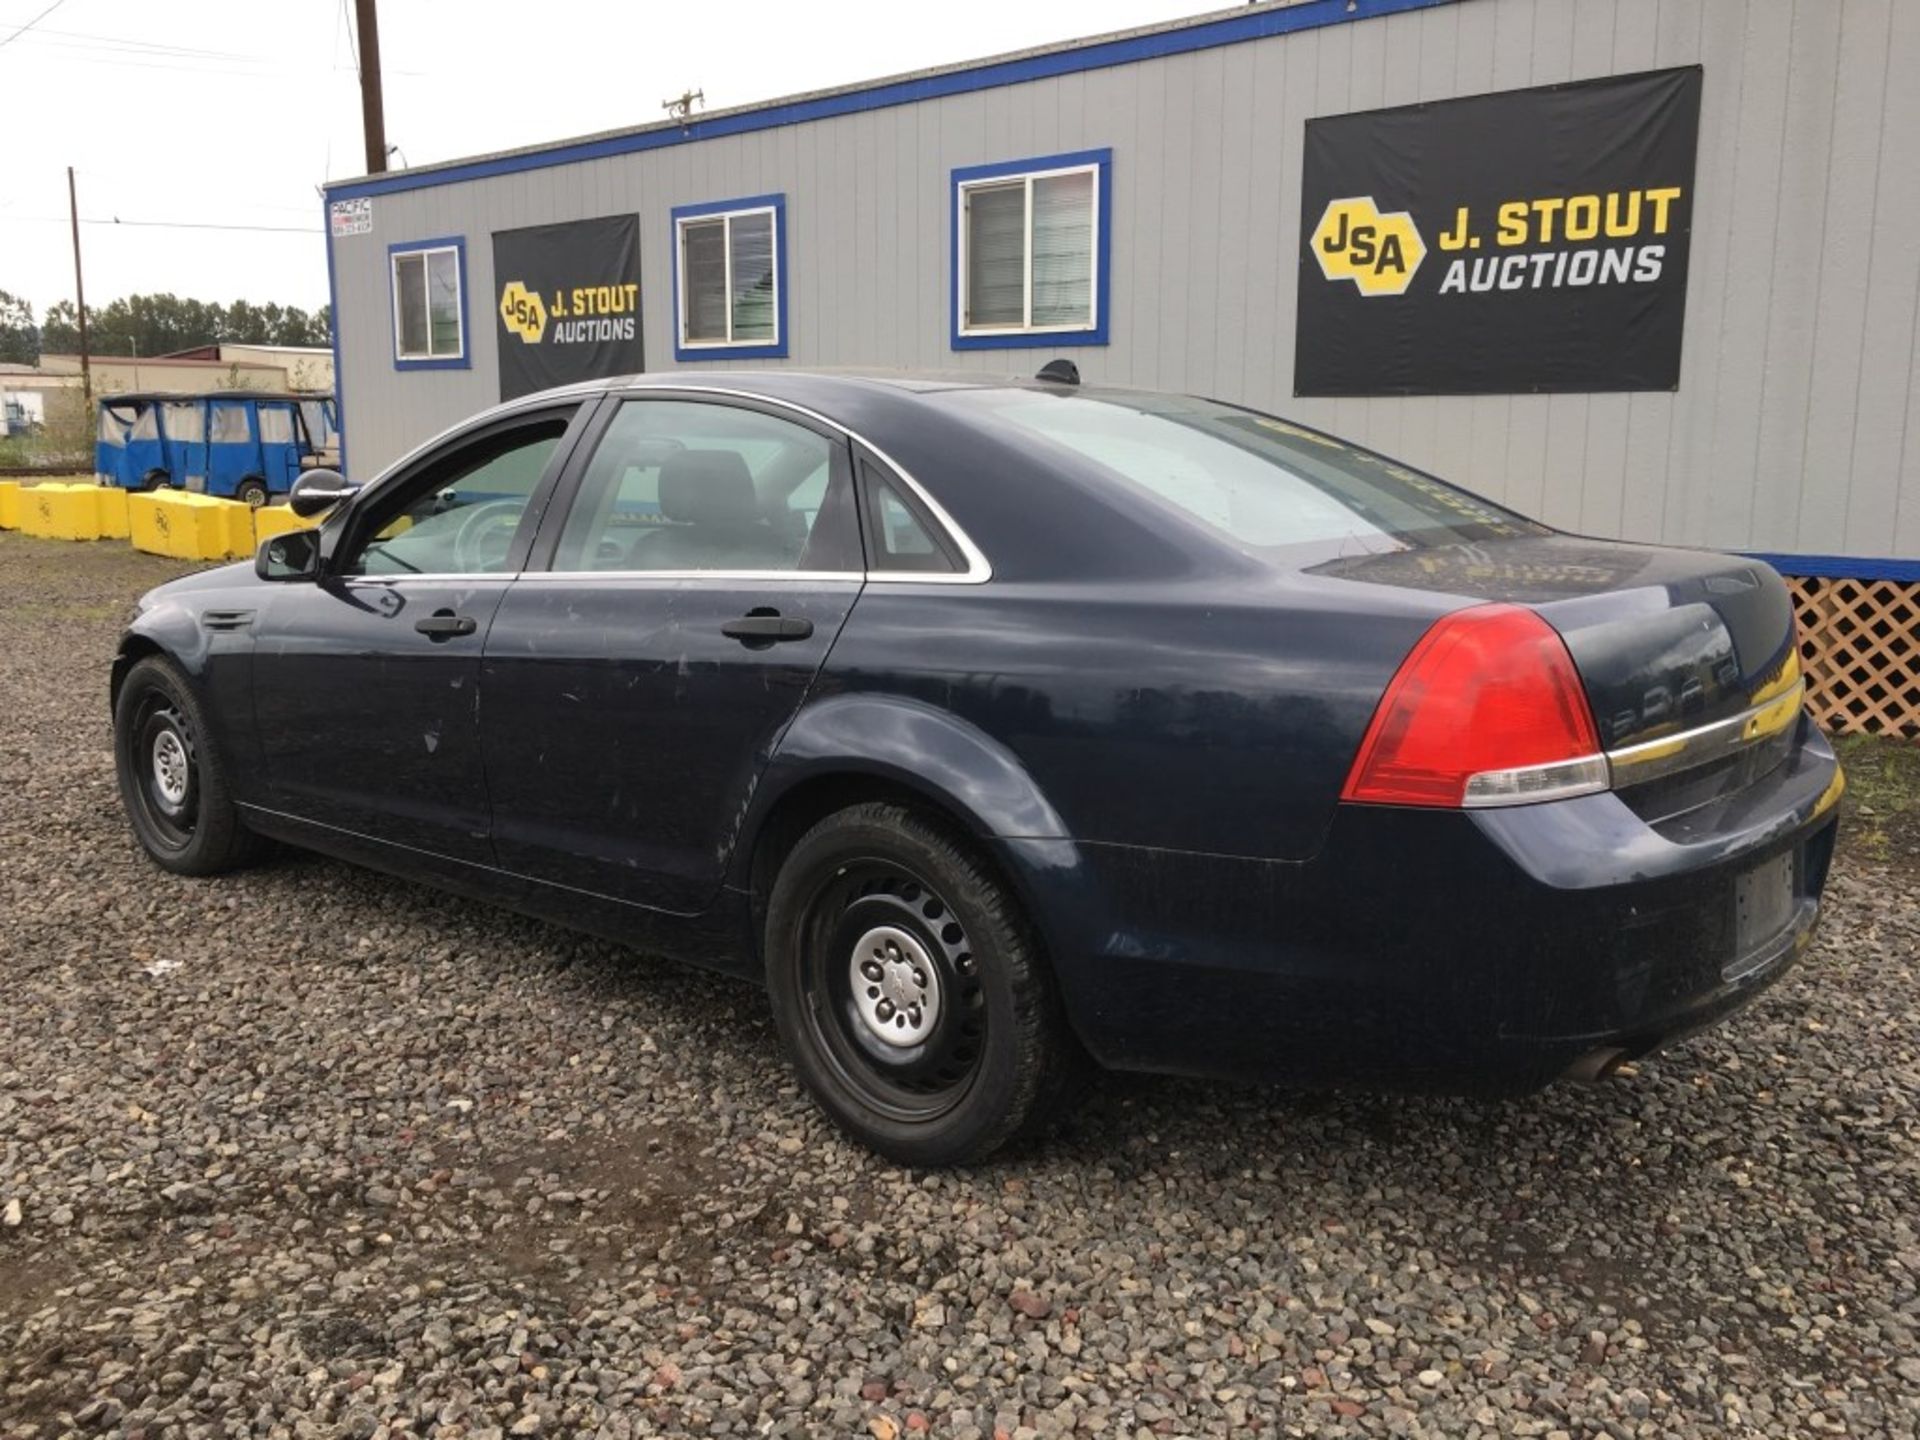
366,681
692,586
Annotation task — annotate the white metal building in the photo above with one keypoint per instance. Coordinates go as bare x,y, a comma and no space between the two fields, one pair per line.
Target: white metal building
824,230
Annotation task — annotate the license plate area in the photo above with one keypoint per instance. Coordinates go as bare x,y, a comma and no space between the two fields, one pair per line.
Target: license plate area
1763,903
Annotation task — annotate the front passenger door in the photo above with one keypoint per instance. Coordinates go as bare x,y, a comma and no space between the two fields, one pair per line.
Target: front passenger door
366,682
636,686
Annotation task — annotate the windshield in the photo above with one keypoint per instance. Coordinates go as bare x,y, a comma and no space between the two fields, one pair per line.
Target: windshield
1265,484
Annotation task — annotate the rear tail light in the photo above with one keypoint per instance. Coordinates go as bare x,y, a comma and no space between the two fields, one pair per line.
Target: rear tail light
1487,710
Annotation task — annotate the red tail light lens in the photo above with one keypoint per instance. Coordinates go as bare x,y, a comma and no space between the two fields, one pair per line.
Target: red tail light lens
1487,710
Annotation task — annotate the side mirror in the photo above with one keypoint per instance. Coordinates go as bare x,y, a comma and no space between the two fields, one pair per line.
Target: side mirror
318,490
292,556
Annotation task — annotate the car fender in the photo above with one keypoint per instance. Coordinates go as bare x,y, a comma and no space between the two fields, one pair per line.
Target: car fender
955,764
973,778
163,627
212,648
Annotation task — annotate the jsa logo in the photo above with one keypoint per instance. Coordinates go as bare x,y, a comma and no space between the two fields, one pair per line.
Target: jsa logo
523,312
1379,253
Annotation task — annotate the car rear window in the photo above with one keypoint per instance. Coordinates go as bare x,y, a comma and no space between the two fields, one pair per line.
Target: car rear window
1264,483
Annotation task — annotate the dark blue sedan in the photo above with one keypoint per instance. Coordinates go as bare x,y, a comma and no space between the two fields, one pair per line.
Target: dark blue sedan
1006,730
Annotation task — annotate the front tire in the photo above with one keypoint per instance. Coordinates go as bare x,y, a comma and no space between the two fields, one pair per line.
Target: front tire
173,782
909,989
251,493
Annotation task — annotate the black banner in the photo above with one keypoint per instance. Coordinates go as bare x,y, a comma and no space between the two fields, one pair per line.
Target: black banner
1526,241
567,302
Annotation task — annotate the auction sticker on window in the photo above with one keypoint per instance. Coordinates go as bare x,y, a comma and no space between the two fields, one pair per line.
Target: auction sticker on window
1531,240
351,217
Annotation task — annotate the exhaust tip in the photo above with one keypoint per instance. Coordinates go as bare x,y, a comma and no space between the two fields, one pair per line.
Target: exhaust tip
1598,1065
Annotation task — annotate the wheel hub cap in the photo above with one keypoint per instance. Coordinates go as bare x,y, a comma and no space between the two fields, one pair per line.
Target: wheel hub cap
170,768
896,987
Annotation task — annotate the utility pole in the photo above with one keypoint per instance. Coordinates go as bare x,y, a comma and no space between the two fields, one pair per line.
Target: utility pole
80,296
372,113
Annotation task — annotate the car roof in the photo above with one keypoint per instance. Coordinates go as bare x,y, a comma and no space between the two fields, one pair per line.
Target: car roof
825,380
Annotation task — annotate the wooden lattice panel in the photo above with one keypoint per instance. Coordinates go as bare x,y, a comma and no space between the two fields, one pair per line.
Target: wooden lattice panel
1860,642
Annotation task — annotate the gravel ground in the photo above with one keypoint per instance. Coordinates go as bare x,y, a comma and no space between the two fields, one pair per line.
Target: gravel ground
311,1152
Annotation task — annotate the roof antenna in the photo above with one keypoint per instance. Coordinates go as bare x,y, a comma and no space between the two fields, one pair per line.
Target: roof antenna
681,106
1059,372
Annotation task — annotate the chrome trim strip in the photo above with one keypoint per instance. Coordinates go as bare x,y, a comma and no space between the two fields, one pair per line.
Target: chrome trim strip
1669,754
438,577
848,577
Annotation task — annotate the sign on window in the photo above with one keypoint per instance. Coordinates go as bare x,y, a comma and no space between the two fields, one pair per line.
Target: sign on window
1532,240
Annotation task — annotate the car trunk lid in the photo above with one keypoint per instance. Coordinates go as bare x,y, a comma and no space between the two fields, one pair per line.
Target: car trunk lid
1687,657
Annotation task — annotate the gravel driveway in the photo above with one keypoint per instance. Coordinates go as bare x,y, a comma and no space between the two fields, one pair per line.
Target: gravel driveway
311,1152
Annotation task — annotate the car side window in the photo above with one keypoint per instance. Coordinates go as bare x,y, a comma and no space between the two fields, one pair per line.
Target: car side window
680,485
459,516
901,536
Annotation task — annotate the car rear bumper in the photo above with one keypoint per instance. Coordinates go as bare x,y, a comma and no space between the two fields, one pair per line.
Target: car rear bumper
1444,950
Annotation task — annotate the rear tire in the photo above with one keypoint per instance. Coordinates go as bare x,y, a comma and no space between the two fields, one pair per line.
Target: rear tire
910,991
251,493
158,480
173,782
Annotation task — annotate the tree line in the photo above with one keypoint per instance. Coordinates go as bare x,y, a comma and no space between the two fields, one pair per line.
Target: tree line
154,325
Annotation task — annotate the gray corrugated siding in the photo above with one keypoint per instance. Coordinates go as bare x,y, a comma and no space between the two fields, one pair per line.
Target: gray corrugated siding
1796,427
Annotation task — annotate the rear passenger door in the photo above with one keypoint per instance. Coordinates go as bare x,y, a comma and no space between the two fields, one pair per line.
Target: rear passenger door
684,591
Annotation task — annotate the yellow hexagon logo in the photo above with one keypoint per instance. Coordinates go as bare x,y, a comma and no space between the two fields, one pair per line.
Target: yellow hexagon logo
523,312
1377,252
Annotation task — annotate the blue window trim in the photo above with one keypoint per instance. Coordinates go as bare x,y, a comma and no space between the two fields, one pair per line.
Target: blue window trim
1255,23
462,361
1841,567
749,351
1102,160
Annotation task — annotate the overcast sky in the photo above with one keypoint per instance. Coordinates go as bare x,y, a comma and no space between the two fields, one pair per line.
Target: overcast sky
231,112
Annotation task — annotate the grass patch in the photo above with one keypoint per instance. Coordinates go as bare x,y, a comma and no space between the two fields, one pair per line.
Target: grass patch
1883,792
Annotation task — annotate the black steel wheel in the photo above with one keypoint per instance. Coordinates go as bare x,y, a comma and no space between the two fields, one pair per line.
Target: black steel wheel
172,784
909,990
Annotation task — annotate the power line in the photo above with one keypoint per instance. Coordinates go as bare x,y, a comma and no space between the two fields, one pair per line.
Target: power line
204,225
172,224
31,23
47,35
353,45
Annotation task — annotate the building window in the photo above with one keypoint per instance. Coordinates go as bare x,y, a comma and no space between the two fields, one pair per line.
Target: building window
429,304
730,272
1030,248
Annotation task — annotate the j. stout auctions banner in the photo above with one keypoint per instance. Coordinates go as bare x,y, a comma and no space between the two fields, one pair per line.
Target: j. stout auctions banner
569,302
1524,241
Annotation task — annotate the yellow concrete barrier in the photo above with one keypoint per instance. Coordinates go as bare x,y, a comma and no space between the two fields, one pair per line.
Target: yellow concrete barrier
188,526
113,512
9,504
59,511
271,520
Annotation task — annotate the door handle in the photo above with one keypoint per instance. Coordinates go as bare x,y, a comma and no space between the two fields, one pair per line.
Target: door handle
444,625
767,628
